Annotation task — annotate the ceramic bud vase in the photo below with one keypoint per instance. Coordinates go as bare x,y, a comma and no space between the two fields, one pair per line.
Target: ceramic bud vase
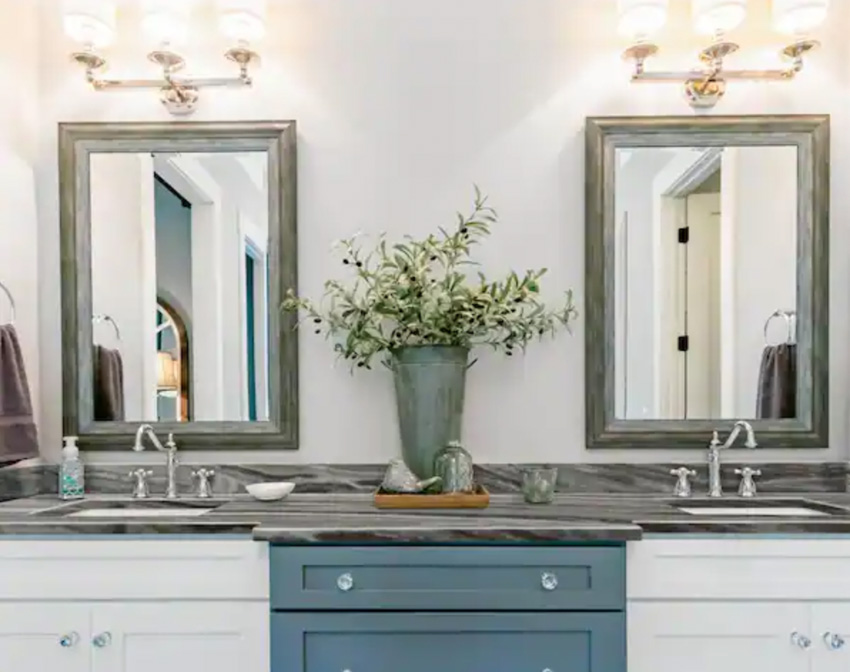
430,382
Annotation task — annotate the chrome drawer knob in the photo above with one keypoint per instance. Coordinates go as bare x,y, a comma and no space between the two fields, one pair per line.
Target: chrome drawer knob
345,582
102,640
69,640
800,641
833,640
549,582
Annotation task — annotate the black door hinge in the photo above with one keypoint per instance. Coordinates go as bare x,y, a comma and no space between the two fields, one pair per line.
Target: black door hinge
683,343
685,235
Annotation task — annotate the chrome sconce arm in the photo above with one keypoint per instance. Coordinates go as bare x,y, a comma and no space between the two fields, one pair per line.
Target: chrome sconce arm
178,94
704,87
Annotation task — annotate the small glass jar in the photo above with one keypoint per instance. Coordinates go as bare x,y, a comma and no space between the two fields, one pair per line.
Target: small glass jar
453,465
538,484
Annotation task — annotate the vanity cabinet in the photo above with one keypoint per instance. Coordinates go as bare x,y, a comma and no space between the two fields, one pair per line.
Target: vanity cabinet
134,606
739,605
453,608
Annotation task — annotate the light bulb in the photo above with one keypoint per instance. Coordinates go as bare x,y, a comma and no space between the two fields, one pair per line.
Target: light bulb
242,21
798,17
89,22
715,17
166,22
640,19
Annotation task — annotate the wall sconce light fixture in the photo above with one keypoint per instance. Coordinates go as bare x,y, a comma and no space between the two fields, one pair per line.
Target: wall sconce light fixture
92,23
704,86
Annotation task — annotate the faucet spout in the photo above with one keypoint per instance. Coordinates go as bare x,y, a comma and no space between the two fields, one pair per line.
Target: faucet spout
143,431
736,430
715,488
170,449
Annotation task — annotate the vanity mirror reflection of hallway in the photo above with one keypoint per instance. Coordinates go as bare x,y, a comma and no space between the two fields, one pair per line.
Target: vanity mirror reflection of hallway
705,254
179,265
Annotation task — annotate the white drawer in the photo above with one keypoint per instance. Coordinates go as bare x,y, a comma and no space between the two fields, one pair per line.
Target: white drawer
133,569
737,568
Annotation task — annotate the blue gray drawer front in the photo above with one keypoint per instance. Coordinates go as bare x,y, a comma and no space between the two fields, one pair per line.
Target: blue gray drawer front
458,642
491,578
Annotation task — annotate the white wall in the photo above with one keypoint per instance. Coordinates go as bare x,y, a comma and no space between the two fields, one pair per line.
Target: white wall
401,106
18,223
174,251
764,276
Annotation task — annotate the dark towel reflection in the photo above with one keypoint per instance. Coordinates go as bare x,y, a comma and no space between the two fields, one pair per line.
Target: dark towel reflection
108,385
777,392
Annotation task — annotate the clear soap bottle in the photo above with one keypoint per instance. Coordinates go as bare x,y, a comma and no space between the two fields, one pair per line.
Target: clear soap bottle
71,471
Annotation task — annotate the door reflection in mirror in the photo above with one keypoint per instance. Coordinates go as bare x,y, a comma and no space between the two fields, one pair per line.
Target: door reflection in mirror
171,236
705,253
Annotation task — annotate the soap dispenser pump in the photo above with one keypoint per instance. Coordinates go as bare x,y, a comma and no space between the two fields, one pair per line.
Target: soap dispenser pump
71,471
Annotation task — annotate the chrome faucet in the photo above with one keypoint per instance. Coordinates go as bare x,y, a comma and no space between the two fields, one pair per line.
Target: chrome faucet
715,489
170,448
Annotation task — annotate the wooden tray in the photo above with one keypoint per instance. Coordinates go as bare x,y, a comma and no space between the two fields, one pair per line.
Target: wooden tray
480,499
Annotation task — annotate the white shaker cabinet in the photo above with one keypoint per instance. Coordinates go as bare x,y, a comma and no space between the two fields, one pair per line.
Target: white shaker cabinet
43,636
713,636
180,637
130,605
831,637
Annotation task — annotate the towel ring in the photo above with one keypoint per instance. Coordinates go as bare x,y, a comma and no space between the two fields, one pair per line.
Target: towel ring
97,319
11,301
790,318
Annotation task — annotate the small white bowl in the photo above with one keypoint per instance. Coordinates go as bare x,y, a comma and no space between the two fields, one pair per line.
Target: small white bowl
268,492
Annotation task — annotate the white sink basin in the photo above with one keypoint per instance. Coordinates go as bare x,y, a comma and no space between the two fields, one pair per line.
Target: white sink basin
139,513
760,511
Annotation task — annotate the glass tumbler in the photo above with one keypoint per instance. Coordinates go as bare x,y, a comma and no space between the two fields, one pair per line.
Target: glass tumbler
538,484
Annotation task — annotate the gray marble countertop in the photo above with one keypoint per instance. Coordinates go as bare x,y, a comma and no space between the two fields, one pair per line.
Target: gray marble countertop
352,518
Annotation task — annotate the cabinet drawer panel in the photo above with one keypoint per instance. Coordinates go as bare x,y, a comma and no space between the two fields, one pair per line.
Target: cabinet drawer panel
449,642
486,578
90,569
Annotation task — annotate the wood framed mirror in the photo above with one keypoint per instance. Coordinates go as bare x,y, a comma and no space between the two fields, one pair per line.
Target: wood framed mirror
178,244
707,280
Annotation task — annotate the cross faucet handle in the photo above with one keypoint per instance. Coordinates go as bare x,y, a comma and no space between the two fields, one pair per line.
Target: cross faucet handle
140,487
204,484
747,487
683,484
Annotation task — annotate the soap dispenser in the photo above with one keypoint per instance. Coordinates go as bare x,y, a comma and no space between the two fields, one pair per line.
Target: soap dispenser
71,474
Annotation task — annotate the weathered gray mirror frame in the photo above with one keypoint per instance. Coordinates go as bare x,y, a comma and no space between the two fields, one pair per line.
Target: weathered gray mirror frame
77,141
810,134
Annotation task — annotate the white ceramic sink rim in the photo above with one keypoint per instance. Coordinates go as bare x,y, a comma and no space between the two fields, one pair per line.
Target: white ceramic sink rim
760,511
181,512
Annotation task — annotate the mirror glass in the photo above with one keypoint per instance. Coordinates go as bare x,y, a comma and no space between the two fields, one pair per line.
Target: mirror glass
705,282
179,273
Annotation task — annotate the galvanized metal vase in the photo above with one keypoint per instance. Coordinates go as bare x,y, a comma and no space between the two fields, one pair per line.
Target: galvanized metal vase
430,381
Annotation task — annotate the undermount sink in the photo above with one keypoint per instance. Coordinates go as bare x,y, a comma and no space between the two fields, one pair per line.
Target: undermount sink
138,513
776,508
133,508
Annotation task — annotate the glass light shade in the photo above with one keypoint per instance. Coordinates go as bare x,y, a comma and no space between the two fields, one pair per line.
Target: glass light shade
641,18
797,17
167,377
242,20
89,22
166,22
712,17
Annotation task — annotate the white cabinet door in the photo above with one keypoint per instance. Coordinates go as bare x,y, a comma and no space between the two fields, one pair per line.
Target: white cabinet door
831,637
727,636
44,636
181,637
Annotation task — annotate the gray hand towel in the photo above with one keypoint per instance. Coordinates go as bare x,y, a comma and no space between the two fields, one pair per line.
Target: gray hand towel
18,434
108,385
777,392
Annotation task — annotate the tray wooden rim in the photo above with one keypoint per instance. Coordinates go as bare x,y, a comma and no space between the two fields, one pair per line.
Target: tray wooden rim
480,499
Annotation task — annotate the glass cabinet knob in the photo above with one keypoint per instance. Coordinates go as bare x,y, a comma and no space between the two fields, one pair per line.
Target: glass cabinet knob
800,641
345,582
68,640
102,640
549,581
833,640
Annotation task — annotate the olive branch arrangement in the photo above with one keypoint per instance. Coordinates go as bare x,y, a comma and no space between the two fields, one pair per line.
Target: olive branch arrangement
419,292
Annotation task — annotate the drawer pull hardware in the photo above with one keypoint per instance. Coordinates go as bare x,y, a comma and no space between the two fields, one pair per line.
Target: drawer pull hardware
69,640
547,669
345,582
102,640
833,640
800,641
549,581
